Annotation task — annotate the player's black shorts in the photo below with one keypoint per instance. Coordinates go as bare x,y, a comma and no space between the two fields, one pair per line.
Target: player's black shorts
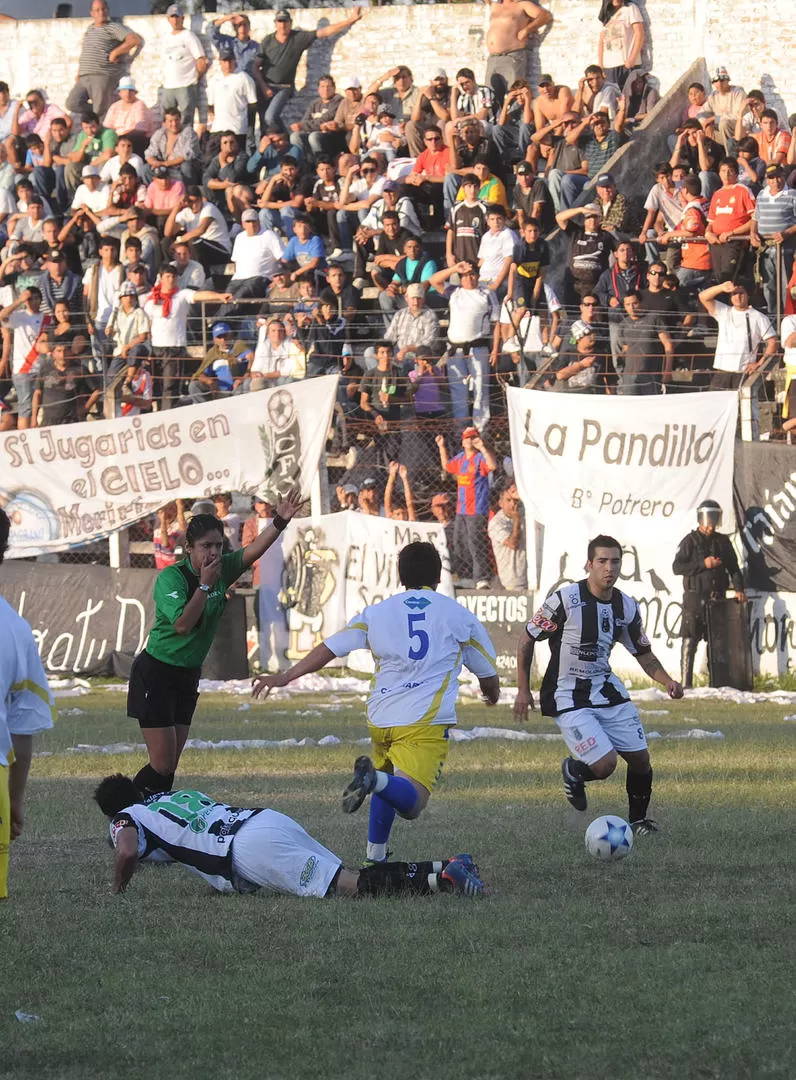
161,695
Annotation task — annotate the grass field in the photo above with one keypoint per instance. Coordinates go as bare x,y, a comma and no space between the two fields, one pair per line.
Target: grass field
675,963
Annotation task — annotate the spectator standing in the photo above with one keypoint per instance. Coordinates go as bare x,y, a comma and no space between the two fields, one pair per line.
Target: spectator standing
471,467
415,328
473,311
29,323
107,47
742,329
773,234
325,341
232,522
232,98
393,507
506,532
183,63
621,40
590,248
130,117
381,396
169,536
62,391
241,43
274,69
467,224
729,218
695,261
640,337
267,578
58,283
495,252
101,284
168,308
277,359
511,26
443,512
788,338
426,388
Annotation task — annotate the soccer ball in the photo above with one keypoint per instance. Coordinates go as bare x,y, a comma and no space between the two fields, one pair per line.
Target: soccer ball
609,838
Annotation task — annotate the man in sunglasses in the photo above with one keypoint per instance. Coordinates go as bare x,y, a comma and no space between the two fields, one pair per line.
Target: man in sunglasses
428,174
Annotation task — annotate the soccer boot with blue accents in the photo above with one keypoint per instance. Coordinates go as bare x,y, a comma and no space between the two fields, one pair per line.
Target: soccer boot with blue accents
459,877
362,783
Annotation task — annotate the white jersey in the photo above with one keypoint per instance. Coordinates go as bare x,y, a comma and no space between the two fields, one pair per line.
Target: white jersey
192,829
419,640
26,704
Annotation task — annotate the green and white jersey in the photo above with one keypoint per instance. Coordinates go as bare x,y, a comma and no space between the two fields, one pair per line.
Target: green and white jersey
419,640
171,595
192,829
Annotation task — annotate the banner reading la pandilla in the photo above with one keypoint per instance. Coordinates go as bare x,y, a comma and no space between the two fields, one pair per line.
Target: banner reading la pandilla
65,486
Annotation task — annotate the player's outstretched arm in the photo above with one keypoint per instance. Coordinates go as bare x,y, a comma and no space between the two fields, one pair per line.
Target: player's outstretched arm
524,699
126,857
320,656
651,665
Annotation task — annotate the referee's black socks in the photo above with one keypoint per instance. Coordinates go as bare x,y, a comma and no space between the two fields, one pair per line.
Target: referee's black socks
639,790
149,782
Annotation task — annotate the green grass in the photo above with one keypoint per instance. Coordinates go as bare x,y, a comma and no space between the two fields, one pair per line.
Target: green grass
671,964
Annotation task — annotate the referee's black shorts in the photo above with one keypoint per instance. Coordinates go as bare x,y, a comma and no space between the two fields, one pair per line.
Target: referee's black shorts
161,695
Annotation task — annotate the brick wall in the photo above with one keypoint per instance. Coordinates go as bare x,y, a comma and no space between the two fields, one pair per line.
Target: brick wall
755,46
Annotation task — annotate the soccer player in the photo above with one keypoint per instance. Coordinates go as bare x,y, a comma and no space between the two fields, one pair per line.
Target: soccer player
242,849
590,704
26,709
419,641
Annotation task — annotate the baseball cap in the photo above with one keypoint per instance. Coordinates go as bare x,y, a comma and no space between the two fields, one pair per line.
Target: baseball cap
441,499
174,9
283,15
391,185
369,484
592,209
605,180
221,329
90,170
775,171
719,73
385,110
580,329
470,433
347,350
128,289
352,83
440,73
226,52
250,215
160,173
350,489
545,80
524,169
127,83
416,289
203,506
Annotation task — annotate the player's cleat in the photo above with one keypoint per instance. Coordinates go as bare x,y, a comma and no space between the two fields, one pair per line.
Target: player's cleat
367,863
645,827
458,877
362,783
574,789
466,861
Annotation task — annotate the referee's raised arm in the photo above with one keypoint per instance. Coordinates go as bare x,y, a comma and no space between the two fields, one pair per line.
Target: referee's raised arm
286,508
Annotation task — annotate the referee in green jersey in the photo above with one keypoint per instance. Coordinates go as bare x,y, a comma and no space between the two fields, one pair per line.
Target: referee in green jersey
189,601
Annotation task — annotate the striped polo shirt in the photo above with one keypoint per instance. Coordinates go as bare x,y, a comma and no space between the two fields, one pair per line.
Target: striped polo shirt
775,213
98,42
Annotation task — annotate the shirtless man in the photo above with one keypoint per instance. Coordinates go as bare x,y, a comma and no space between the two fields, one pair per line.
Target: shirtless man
511,23
548,108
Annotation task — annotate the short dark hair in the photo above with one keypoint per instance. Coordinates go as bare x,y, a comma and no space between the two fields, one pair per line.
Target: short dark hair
115,793
33,290
731,162
5,529
382,345
173,111
769,114
696,86
532,221
748,146
465,73
602,541
390,215
288,160
496,208
127,170
633,295
193,191
419,566
200,526
594,69
693,185
89,118
663,167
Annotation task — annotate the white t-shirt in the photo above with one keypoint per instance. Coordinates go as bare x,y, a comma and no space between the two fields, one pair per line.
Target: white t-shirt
268,358
787,328
492,251
232,523
618,36
26,704
27,329
230,95
472,313
94,200
216,232
109,284
420,639
173,331
110,170
179,55
740,333
256,256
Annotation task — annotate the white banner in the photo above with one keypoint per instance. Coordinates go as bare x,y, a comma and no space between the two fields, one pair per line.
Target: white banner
67,485
332,567
635,468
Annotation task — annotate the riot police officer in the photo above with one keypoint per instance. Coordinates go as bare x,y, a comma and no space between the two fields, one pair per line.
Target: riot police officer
708,563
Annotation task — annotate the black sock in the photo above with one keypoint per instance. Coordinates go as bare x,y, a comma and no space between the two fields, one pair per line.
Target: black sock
393,878
150,782
639,790
581,771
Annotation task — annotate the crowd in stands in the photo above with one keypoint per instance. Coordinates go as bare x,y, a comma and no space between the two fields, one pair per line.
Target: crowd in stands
157,254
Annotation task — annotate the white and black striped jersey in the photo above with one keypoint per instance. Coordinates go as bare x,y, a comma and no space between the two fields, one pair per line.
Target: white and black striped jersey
581,631
192,829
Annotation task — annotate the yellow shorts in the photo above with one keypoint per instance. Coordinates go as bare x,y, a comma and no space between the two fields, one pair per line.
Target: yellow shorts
418,750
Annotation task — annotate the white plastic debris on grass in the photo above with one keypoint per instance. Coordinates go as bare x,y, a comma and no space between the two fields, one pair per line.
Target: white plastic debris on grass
25,1017
692,733
71,712
790,716
721,693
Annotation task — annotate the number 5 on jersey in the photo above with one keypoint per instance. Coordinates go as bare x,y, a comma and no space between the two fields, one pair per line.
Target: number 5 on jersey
417,651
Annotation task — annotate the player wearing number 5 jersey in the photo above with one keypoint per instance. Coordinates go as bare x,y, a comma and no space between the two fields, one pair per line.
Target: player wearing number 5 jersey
419,640
582,623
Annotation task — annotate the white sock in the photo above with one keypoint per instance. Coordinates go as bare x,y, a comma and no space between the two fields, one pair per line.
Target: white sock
433,882
382,779
377,852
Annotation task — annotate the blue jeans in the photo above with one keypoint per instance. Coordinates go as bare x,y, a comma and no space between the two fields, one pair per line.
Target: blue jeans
768,271
572,185
279,219
511,141
47,180
710,183
469,372
450,189
271,108
693,280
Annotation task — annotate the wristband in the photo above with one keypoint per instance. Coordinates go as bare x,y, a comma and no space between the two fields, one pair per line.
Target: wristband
279,523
